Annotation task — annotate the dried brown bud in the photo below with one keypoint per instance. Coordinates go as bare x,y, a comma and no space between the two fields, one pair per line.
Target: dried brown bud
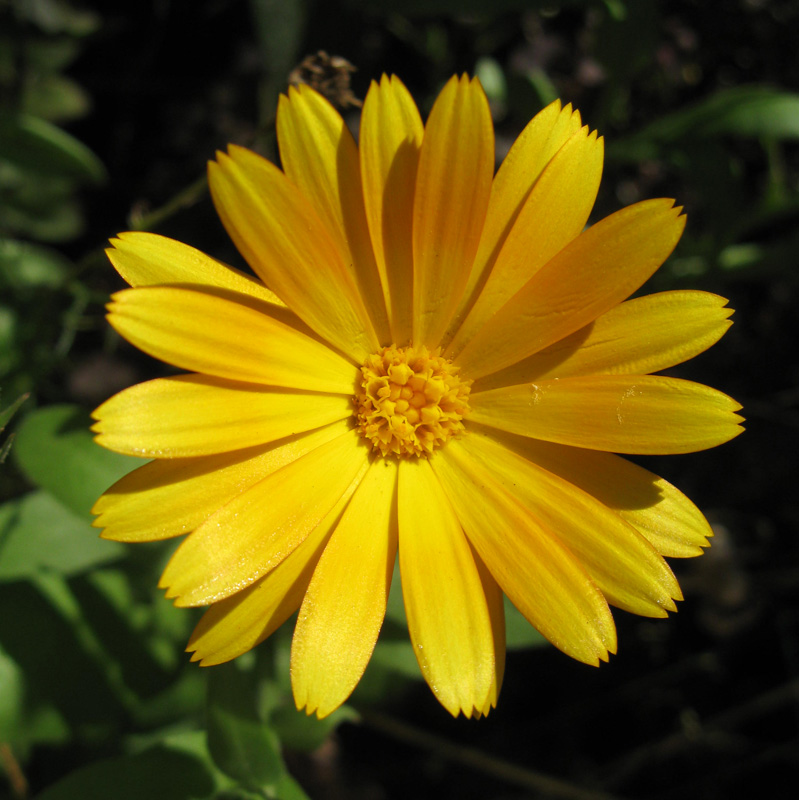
329,75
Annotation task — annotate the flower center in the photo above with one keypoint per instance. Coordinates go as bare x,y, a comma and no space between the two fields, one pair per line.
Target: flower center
410,401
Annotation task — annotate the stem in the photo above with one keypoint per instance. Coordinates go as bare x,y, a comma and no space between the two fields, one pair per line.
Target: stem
481,762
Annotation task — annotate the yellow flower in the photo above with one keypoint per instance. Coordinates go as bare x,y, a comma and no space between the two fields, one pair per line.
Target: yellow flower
434,361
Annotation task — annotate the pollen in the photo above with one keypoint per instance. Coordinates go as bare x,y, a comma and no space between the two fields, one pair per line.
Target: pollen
410,401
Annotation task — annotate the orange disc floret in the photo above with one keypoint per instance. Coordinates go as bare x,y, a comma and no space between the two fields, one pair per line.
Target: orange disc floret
410,401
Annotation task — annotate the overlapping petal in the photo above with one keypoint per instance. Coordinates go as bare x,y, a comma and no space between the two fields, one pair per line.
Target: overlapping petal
598,270
656,509
343,609
195,415
553,214
257,529
495,600
320,157
541,577
237,624
199,331
534,148
643,335
147,259
171,496
276,229
390,139
625,566
449,620
456,161
641,414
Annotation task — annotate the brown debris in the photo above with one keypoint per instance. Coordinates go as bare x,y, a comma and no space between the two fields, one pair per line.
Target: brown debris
329,75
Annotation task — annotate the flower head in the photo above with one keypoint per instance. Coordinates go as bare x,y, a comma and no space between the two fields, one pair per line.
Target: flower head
433,361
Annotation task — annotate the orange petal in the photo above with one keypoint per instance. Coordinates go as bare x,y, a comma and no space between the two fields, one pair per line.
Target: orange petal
448,614
258,528
453,185
553,214
598,270
288,246
320,157
195,415
390,139
539,575
345,604
617,413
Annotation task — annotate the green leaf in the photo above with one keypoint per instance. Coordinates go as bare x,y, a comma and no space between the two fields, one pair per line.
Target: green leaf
286,788
48,54
241,744
57,16
519,633
124,626
744,111
12,688
54,98
396,655
39,534
42,631
55,450
159,773
298,731
45,213
9,356
491,76
24,265
34,144
7,413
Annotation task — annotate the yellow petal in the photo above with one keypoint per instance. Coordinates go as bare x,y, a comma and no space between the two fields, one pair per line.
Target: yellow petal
453,185
288,246
193,415
147,259
659,512
171,496
496,610
320,157
534,148
258,528
642,414
623,564
553,214
343,610
390,138
235,625
539,575
445,602
646,334
598,270
199,331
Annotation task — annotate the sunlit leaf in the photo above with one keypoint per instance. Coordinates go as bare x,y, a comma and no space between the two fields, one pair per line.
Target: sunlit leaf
12,686
38,534
55,450
241,745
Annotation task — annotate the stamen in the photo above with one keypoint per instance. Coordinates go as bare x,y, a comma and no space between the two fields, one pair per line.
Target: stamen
410,401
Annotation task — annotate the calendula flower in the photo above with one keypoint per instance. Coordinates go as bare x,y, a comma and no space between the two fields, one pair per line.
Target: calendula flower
434,361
